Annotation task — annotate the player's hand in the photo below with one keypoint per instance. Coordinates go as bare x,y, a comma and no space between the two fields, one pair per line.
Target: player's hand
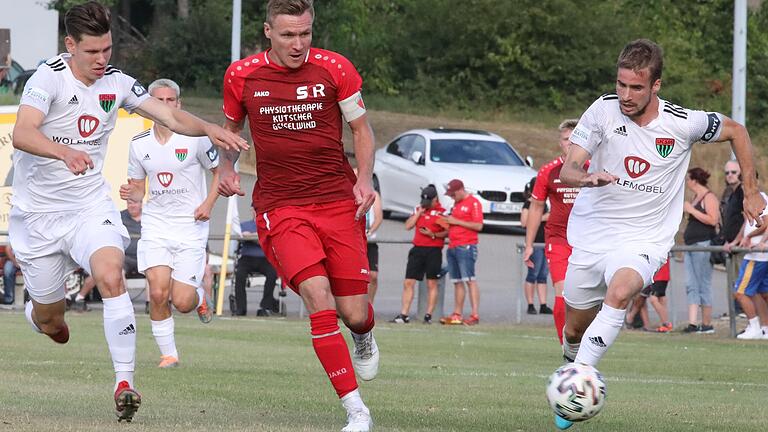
426,232
203,212
727,247
754,205
225,139
131,191
78,162
229,183
745,243
527,256
364,196
450,220
599,179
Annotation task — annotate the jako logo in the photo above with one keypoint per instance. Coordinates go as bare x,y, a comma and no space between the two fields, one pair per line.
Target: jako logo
636,166
165,178
339,372
258,93
87,125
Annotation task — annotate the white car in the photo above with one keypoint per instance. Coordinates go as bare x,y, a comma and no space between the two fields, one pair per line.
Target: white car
489,167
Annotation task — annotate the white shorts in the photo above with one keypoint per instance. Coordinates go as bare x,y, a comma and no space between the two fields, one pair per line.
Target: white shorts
50,246
589,274
187,262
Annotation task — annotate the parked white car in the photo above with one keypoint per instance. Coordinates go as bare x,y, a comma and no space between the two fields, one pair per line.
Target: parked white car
489,167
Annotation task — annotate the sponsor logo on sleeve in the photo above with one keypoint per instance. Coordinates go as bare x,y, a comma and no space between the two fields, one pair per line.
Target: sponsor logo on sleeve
36,94
636,166
580,135
665,146
138,89
181,154
212,153
165,178
87,125
713,125
107,101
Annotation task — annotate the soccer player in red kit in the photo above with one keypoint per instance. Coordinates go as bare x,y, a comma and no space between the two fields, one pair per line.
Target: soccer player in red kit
310,205
561,197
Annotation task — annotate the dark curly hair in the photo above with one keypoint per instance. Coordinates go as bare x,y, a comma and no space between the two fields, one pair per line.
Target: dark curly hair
699,175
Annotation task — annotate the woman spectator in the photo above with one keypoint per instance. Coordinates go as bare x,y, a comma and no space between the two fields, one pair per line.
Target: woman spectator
703,214
537,265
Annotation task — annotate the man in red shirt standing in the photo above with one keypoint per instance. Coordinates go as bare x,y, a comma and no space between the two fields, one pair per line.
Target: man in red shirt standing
465,221
310,205
561,198
426,255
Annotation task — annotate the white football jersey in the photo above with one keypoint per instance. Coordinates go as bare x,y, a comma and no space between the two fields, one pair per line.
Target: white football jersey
175,173
645,205
748,228
78,116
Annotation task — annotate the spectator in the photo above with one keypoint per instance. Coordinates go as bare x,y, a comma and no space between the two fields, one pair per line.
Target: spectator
537,264
373,219
658,298
465,221
703,213
10,267
426,255
131,218
751,286
731,217
251,259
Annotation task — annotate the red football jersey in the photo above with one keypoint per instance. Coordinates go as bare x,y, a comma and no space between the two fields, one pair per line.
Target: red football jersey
561,198
469,209
296,125
428,220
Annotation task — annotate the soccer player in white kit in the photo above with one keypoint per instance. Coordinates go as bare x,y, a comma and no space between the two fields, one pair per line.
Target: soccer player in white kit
62,216
623,222
174,224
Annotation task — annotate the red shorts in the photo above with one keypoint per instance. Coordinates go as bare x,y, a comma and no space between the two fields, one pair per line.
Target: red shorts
557,258
317,240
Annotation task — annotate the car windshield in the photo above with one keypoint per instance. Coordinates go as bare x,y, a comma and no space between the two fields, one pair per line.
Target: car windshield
475,152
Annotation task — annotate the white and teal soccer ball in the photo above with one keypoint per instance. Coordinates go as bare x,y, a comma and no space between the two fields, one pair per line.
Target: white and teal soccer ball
576,392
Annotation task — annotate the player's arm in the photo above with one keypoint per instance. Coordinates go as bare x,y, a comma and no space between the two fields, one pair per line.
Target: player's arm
413,218
229,179
535,213
27,137
574,174
754,204
185,123
203,211
378,214
363,143
133,189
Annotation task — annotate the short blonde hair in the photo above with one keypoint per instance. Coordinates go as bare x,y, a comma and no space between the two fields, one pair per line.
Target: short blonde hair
568,124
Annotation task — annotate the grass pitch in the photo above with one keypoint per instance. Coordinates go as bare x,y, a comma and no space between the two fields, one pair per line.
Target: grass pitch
262,375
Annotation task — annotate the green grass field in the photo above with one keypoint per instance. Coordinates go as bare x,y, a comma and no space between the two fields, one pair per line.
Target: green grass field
262,375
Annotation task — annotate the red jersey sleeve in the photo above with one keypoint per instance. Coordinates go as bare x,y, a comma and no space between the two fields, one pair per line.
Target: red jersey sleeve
234,83
477,211
346,77
540,192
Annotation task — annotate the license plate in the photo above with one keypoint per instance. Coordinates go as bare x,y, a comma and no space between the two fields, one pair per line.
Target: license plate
506,207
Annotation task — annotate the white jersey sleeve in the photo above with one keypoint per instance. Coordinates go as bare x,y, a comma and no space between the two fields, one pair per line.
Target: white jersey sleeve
136,170
207,154
41,89
590,131
705,126
136,94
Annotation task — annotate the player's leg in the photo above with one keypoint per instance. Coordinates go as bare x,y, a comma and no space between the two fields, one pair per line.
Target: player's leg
557,258
626,274
433,267
373,267
746,287
160,314
187,291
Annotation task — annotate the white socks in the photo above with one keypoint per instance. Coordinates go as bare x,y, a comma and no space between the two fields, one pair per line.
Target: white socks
163,333
120,331
353,402
200,297
570,349
28,314
754,323
600,335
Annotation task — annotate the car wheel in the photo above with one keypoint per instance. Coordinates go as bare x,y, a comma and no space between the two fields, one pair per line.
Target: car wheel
386,213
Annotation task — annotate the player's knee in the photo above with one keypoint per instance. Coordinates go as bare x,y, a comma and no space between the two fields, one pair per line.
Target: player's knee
184,305
355,319
111,283
158,296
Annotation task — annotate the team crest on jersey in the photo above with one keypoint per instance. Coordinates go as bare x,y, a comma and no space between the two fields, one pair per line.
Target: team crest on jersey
212,153
181,154
664,146
87,125
165,178
107,101
636,166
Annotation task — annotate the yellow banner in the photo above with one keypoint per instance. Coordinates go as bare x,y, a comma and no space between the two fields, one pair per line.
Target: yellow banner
115,165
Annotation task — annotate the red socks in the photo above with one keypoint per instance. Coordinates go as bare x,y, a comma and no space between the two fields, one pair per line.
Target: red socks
332,351
559,316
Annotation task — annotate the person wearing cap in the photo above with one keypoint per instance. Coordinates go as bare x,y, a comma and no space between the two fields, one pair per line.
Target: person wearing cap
465,221
426,255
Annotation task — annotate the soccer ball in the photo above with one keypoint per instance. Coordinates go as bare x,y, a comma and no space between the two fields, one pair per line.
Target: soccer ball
576,392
